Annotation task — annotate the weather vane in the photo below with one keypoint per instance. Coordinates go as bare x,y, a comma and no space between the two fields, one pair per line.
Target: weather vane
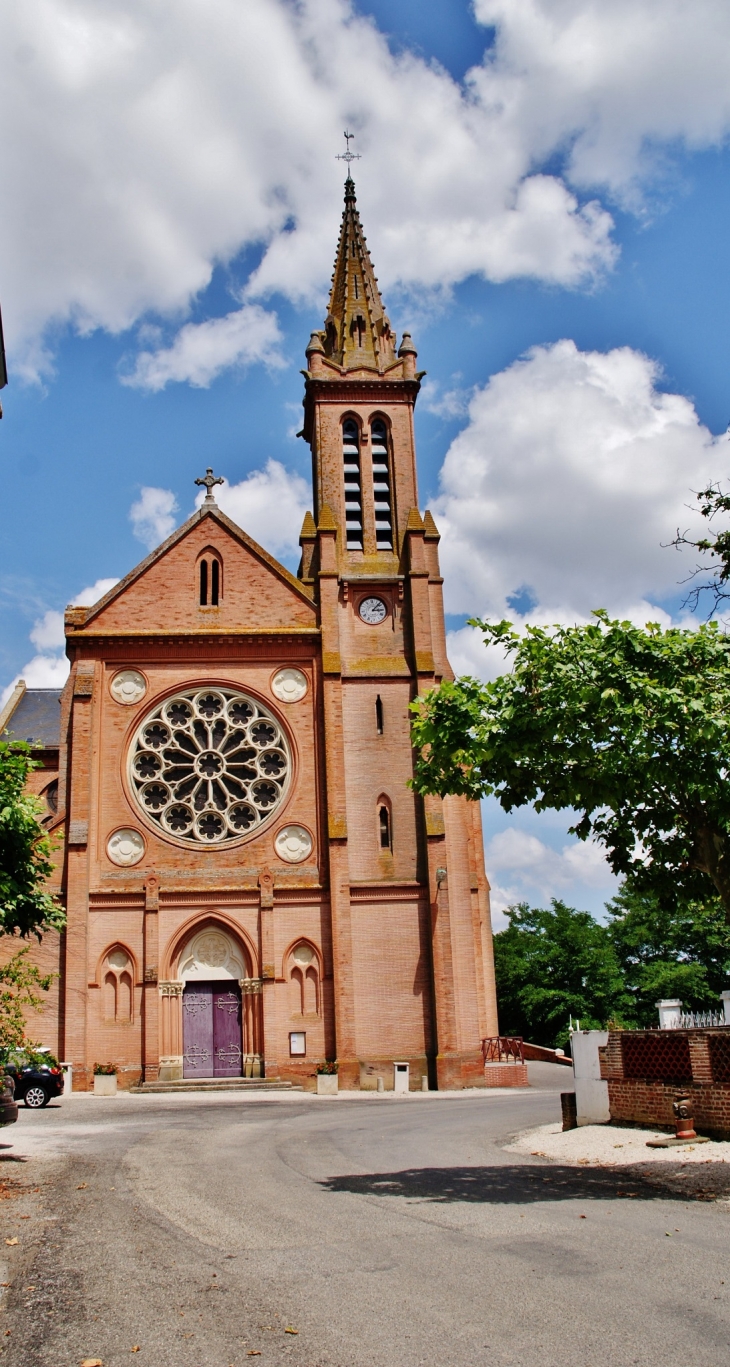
348,156
209,481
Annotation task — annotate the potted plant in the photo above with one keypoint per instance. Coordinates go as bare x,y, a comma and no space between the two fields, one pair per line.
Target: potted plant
326,1078
105,1079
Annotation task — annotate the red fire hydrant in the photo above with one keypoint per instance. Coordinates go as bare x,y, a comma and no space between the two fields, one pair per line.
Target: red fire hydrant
683,1118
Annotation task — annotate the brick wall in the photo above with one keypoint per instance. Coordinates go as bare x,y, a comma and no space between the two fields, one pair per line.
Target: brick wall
646,1070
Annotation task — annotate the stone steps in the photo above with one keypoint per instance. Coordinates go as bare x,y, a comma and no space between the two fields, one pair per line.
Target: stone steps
219,1084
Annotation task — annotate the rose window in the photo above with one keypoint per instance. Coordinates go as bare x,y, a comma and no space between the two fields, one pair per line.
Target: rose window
210,765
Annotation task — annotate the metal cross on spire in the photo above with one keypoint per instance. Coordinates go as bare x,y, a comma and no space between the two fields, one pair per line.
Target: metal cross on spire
348,156
209,480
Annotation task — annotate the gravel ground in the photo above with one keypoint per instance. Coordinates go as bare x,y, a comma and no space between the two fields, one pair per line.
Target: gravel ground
612,1145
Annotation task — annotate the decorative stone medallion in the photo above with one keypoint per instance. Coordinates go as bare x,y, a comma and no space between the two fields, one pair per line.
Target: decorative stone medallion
128,686
303,954
211,949
289,685
119,959
209,765
293,844
125,847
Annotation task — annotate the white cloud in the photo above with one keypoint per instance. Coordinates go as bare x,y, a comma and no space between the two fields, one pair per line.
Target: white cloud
47,633
452,403
152,516
93,592
200,351
152,142
49,670
615,85
522,867
573,473
42,671
270,505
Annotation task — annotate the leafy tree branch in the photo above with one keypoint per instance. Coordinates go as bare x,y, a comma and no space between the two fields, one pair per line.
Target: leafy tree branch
628,727
26,908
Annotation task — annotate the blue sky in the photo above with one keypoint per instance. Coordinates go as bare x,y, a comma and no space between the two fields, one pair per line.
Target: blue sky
545,192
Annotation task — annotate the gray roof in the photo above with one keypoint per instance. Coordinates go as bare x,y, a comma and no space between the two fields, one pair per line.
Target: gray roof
37,718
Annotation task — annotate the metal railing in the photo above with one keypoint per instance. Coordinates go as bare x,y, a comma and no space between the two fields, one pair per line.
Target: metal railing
503,1049
699,1020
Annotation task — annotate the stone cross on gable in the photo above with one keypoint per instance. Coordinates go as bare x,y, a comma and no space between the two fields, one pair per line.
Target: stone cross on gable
209,480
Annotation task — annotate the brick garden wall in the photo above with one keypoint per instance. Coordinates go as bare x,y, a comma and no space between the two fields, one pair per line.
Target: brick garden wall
646,1070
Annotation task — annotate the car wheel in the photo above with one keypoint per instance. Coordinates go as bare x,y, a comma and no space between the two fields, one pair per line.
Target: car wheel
36,1097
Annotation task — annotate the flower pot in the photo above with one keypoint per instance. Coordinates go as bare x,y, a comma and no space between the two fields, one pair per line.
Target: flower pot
105,1084
326,1084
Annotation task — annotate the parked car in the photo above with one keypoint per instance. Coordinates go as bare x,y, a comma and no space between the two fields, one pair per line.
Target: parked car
35,1083
8,1106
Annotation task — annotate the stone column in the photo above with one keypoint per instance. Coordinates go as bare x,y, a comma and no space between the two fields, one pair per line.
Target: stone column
268,973
150,995
171,1044
251,1004
77,878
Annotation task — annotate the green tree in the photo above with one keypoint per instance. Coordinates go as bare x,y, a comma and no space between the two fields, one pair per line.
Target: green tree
554,964
26,907
715,546
629,727
678,949
20,984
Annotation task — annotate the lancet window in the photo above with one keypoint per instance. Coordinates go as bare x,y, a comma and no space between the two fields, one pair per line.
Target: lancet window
304,981
210,582
382,493
353,484
117,987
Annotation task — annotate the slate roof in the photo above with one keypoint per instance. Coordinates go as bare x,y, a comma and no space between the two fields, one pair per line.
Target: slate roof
37,718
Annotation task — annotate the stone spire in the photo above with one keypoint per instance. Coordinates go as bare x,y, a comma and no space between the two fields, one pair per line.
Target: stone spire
357,331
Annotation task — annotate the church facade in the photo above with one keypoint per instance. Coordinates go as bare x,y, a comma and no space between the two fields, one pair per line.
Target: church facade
251,885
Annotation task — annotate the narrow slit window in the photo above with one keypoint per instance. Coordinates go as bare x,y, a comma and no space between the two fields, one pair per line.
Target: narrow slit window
379,714
382,492
203,583
385,831
215,579
353,484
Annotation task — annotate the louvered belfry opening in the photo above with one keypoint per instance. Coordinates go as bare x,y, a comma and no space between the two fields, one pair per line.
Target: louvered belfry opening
382,494
353,484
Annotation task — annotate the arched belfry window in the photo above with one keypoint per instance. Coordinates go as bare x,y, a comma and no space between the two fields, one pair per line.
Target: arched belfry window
209,581
385,826
353,484
382,492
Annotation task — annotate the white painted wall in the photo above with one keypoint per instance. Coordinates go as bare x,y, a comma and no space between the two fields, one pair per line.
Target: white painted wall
591,1092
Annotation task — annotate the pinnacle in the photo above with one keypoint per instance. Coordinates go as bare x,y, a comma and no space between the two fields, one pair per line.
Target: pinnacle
357,329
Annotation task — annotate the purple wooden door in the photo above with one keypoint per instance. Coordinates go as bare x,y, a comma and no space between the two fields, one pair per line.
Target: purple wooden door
227,1030
198,1030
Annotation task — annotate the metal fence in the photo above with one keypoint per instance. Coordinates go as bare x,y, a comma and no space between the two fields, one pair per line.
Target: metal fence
699,1020
503,1049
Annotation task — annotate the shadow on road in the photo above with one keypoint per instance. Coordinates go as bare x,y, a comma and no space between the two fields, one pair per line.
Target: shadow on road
525,1183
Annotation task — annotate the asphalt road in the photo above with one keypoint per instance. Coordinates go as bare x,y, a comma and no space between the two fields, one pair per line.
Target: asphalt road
387,1232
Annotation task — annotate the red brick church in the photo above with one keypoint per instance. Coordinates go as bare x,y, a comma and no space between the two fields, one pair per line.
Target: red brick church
251,885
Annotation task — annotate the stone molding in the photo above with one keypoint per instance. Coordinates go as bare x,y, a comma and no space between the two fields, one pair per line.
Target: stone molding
171,989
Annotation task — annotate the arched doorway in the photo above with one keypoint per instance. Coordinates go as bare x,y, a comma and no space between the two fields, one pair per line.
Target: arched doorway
213,971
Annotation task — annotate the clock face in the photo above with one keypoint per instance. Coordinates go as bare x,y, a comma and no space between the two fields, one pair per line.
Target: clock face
373,611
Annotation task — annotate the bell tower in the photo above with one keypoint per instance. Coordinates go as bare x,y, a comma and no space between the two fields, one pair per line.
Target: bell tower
411,934
358,411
